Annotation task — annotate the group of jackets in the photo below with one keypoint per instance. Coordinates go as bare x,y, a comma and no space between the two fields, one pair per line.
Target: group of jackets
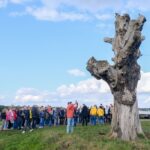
97,111
93,111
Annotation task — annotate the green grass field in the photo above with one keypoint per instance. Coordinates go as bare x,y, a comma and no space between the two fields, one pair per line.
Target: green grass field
83,138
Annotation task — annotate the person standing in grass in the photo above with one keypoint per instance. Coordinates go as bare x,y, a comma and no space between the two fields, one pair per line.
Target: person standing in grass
11,118
56,116
100,113
42,117
27,119
93,114
70,116
35,116
107,114
30,115
15,124
3,117
84,115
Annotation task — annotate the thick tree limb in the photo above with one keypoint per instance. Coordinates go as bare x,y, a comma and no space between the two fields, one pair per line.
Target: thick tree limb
108,40
102,70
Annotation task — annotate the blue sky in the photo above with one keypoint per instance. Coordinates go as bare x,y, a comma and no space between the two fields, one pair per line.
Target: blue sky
45,45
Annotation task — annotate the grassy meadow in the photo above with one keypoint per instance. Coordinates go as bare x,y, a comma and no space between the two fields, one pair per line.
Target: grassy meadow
83,138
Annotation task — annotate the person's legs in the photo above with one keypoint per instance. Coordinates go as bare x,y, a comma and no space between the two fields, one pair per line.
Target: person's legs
68,125
63,119
33,126
3,124
75,121
58,120
99,120
91,119
8,125
72,125
102,119
40,125
42,122
19,122
86,121
34,123
31,121
28,123
50,122
94,120
55,121
83,121
15,124
105,118
25,126
46,122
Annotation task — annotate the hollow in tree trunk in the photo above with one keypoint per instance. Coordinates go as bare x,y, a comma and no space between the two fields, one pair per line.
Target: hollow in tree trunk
123,76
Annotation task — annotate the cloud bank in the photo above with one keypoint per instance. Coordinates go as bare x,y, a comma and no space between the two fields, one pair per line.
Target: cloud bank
76,73
89,91
76,10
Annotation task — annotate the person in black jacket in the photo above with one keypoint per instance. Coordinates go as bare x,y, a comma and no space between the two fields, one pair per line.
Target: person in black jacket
3,117
62,116
84,115
35,116
27,119
19,118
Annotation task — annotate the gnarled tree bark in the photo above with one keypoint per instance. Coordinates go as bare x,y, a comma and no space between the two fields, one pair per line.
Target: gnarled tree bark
123,76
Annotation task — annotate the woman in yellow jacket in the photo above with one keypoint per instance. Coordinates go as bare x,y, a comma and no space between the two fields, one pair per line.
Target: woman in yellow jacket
93,114
100,113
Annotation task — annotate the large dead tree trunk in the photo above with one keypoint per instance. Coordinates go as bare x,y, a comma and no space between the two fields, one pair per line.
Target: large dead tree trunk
123,76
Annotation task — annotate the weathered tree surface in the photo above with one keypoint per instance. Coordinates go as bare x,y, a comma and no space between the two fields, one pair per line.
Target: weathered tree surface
123,76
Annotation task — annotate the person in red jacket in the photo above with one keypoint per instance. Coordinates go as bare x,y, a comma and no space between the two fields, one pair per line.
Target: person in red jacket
70,116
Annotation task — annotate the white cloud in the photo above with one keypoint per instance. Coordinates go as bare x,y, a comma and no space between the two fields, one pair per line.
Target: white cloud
31,95
84,5
2,98
144,83
3,3
16,14
88,86
62,10
143,100
80,10
90,91
142,5
76,73
17,1
105,26
147,101
47,14
83,10
104,17
87,91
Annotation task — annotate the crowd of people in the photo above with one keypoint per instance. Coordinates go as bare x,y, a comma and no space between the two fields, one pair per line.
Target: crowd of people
29,118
